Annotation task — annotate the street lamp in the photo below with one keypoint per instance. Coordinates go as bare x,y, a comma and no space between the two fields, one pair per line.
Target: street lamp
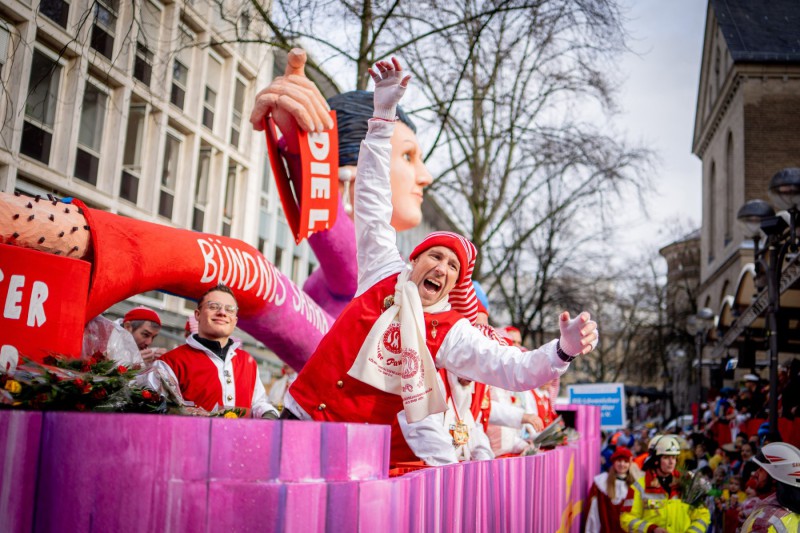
784,190
699,325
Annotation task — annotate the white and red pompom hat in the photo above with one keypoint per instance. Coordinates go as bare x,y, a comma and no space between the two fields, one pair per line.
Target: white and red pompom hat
462,298
142,313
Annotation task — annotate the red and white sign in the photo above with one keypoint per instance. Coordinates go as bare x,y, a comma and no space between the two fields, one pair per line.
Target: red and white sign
42,303
310,200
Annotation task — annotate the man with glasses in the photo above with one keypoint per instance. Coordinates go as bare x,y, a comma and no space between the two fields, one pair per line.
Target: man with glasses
211,370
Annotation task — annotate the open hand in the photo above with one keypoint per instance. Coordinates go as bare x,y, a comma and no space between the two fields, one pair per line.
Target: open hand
292,100
579,335
390,85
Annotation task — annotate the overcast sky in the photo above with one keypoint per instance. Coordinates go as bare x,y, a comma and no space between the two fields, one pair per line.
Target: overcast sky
657,103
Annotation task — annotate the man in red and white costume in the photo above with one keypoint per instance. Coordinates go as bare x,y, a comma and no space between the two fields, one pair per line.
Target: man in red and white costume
378,363
210,368
145,325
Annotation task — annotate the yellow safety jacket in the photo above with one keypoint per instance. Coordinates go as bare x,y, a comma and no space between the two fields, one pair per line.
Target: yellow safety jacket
772,518
649,506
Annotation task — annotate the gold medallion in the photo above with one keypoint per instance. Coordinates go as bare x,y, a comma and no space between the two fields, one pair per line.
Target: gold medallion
460,433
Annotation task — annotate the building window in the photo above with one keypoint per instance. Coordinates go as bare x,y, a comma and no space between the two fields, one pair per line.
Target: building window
180,69
236,118
40,108
201,189
296,262
213,76
263,224
93,116
712,223
105,23
132,154
5,37
230,199
180,73
729,187
55,10
169,176
146,42
281,234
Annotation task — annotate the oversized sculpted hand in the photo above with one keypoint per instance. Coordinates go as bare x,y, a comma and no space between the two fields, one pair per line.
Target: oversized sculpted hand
390,85
293,101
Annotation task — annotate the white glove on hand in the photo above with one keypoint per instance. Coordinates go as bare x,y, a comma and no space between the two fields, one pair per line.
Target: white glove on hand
579,335
390,85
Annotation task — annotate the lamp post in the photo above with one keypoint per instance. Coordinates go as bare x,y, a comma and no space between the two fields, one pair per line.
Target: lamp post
758,218
699,325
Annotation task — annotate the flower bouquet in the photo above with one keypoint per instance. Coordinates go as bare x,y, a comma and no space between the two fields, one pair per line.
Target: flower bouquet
94,384
693,488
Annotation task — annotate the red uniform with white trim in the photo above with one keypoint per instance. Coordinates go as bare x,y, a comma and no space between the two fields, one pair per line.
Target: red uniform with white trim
325,391
208,381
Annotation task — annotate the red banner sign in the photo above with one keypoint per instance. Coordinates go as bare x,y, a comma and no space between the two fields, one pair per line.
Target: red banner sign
310,199
42,303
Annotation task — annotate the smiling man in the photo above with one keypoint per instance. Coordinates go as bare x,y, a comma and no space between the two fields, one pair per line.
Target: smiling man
378,363
211,369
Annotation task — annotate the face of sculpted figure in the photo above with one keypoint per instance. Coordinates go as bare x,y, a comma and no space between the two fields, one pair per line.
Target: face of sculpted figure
435,273
409,177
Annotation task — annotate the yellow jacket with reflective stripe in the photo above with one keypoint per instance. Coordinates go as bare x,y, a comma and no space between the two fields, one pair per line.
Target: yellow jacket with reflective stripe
779,520
648,506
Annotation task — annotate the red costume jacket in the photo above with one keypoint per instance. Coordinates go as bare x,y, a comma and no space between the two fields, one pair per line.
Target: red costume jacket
201,381
325,391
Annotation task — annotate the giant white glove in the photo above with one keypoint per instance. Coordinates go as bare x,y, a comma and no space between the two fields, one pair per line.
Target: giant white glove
390,85
579,335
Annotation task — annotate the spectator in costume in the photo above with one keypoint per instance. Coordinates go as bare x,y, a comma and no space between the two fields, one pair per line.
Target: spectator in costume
378,362
608,492
211,368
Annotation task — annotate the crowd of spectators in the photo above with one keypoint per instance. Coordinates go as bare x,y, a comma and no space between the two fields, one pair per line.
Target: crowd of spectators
720,444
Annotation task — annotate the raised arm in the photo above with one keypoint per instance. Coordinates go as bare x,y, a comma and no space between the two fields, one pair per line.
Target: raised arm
378,256
467,353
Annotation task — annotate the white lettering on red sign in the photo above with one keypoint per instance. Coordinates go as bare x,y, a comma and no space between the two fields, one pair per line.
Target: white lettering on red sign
238,269
320,146
13,305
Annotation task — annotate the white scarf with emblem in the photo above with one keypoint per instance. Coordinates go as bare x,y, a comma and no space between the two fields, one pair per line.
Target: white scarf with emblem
395,358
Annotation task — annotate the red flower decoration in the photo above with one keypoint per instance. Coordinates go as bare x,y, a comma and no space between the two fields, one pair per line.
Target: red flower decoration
86,389
146,394
122,369
79,383
80,407
99,393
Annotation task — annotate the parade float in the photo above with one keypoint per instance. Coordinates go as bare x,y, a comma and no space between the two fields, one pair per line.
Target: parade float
146,464
91,471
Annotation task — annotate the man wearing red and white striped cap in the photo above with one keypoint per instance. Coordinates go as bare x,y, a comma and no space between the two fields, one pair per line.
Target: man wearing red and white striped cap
378,363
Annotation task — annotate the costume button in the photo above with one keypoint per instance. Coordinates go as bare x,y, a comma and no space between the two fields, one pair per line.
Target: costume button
340,383
230,397
322,407
228,381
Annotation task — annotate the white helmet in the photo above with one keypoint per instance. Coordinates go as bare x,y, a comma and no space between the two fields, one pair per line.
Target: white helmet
781,461
665,445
